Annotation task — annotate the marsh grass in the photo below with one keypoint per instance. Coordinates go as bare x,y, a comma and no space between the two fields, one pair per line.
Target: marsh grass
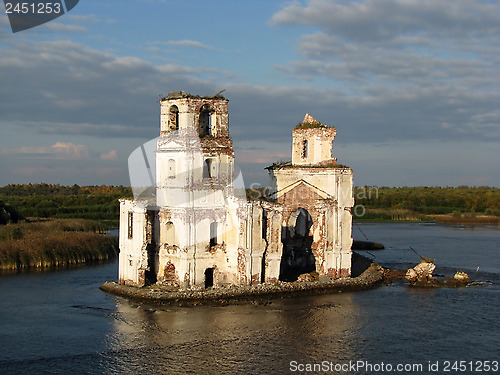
58,242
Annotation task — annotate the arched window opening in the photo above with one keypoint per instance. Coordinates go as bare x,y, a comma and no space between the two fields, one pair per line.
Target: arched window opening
297,257
332,149
304,149
205,120
171,168
173,118
130,225
170,233
213,234
207,169
303,223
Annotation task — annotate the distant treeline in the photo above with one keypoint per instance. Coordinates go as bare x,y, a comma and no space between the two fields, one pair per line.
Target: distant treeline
56,201
406,202
436,200
391,203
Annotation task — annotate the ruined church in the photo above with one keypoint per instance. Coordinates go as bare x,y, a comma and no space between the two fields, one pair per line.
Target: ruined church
197,229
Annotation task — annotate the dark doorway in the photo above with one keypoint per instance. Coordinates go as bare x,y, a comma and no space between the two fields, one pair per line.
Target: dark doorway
152,251
297,257
209,278
151,270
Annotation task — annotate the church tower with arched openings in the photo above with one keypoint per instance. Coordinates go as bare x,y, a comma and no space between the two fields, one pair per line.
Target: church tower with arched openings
316,194
195,155
194,178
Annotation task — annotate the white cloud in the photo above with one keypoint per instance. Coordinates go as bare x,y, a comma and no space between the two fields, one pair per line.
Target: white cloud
188,43
387,20
61,27
59,150
410,88
396,40
80,90
111,156
75,85
414,63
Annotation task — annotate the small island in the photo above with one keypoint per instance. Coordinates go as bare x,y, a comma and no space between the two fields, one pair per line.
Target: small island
307,284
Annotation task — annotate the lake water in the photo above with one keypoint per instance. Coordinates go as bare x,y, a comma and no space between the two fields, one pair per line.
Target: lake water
60,322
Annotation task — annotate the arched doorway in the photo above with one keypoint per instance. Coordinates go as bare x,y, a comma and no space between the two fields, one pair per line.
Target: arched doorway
297,257
152,250
209,278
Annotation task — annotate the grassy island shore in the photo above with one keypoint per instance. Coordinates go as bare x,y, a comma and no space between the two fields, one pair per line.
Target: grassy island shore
54,242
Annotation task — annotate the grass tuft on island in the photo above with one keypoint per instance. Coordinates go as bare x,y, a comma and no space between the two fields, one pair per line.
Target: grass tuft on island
54,242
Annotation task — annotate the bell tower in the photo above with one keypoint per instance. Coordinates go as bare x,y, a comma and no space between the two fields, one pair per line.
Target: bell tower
314,190
194,178
194,149
313,143
208,115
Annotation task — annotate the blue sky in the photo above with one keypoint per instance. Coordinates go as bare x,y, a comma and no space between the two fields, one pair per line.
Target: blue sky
411,86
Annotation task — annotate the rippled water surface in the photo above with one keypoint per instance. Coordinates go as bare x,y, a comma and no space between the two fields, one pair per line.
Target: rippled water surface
60,322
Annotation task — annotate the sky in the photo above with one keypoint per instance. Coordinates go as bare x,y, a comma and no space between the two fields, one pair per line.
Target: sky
412,86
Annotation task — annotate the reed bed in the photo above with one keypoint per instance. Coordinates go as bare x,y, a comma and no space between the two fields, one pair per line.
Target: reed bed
53,243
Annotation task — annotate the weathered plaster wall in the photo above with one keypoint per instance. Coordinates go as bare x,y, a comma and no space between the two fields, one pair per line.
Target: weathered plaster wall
173,237
189,109
133,256
318,147
334,183
327,194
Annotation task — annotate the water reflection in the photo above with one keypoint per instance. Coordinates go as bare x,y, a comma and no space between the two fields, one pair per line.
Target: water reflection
237,338
60,322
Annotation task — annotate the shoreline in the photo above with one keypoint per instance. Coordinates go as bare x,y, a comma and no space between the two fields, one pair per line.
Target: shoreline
93,248
371,278
451,221
53,243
